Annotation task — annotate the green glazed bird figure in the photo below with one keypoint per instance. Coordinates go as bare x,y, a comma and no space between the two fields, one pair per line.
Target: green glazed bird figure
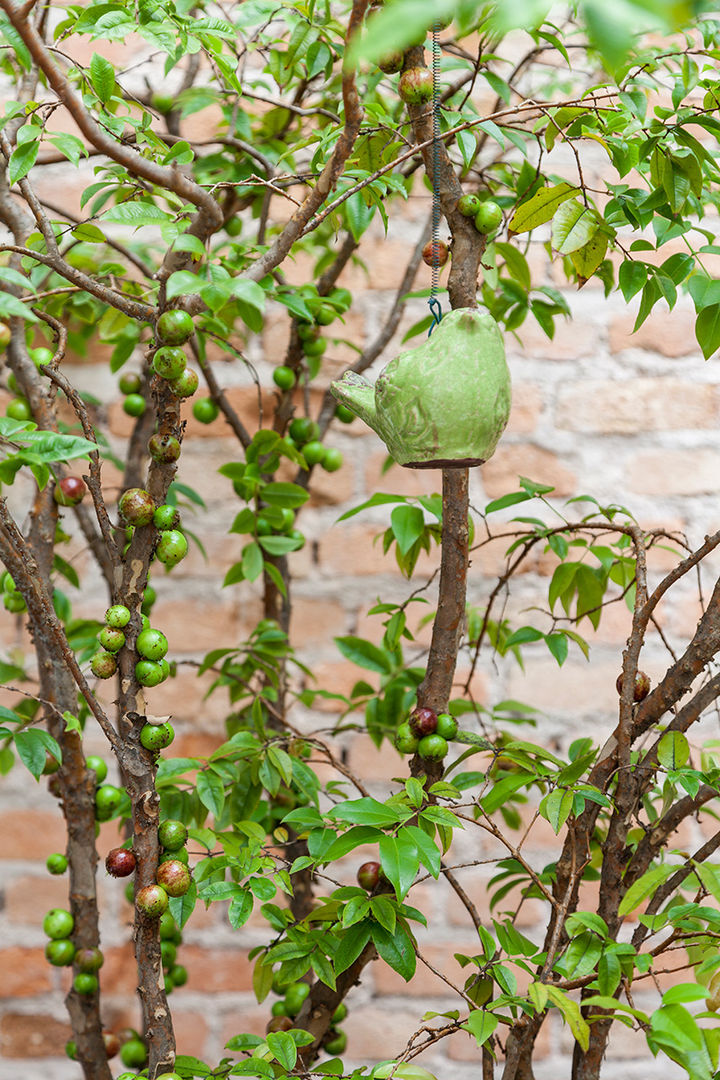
442,404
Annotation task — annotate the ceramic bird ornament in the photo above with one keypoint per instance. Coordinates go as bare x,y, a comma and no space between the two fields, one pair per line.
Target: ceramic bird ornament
442,404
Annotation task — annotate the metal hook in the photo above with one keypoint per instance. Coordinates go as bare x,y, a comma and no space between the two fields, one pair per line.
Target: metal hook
436,311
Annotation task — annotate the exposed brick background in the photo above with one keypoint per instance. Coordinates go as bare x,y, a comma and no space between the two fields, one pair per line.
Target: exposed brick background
628,419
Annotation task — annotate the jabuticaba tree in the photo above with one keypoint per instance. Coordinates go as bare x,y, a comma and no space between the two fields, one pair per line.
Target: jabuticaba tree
324,120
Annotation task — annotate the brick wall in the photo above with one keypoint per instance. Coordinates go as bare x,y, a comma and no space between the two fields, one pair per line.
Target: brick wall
628,419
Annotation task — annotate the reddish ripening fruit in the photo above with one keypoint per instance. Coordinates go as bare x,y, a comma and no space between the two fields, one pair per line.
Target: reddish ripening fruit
89,960
368,875
69,491
642,685
174,876
391,63
120,862
175,327
103,665
278,1023
136,507
112,1043
416,86
152,901
435,253
423,722
164,449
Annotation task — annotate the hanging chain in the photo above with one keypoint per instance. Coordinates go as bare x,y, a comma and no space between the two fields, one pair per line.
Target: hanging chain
433,302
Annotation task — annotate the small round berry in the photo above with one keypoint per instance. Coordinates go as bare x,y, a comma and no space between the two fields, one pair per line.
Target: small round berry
164,448
56,863
174,876
423,722
433,747
151,644
108,799
103,665
284,377
205,410
336,1045
157,737
89,960
435,253
368,875
295,995
416,86
186,384
58,923
117,616
391,63
405,741
136,506
19,409
85,983
111,639
447,726
69,491
469,204
130,383
488,217
152,901
172,547
149,673
333,459
314,452
120,862
345,415
172,834
315,346
98,766
165,517
134,405
169,362
175,327
179,975
133,1053
60,952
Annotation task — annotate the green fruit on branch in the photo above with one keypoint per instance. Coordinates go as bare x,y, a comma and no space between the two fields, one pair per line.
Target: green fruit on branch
89,960
314,452
120,862
186,384
85,984
134,405
344,415
278,1009
172,547
150,595
165,517
447,726
295,995
175,877
284,377
69,491
337,1044
368,875
71,1049
435,253
98,766
51,764
163,103
175,327
41,355
172,834
149,673
392,62
340,1013
151,644
58,923
117,616
19,409
108,800
164,449
423,722
56,863
5,335
432,747
303,430
333,459
278,1023
60,952
205,410
405,741
130,383
416,86
488,218
168,927
14,603
136,507
111,639
156,736
325,315
179,975
133,1053
103,665
168,950
469,204
152,901
169,362
315,346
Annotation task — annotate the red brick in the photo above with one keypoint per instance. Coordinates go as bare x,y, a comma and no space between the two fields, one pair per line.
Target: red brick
375,1036
399,480
215,970
31,834
674,472
669,333
371,764
425,983
25,972
500,474
246,1018
119,972
527,405
32,1036
630,406
191,1029
576,687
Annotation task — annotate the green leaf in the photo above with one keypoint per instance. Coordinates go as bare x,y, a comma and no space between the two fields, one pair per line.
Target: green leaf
673,750
285,494
182,907
23,158
588,258
571,1011
364,654
252,561
644,887
707,330
240,909
397,950
102,76
408,525
279,545
481,1024
211,792
556,808
429,854
352,943
136,214
353,838
400,861
282,1047
609,973
573,226
582,954
540,208
32,745
368,811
